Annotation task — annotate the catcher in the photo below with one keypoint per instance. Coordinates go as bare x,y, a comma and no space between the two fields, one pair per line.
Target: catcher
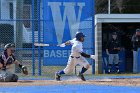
6,60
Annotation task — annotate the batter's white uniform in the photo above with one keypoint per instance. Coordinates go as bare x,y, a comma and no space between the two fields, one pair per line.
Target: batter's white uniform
75,56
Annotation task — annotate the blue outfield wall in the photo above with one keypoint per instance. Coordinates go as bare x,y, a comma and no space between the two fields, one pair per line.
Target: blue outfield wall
62,19
138,64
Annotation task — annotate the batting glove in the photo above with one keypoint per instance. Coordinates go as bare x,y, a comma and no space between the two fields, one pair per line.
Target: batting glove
92,56
62,45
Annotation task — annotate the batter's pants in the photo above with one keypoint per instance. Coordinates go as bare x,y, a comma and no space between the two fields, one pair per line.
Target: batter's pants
73,61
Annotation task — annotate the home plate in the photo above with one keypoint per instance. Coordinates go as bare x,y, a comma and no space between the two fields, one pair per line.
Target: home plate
73,79
105,80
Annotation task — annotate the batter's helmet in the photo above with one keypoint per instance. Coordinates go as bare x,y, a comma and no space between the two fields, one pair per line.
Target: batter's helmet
79,35
9,45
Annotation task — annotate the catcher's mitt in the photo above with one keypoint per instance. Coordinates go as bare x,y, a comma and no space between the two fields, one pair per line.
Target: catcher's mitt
24,70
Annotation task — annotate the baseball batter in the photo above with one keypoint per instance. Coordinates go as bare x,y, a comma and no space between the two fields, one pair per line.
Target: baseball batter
77,56
6,60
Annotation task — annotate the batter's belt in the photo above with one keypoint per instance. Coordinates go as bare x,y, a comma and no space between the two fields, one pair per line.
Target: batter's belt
75,57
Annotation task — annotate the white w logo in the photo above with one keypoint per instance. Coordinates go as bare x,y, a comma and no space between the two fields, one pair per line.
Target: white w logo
69,13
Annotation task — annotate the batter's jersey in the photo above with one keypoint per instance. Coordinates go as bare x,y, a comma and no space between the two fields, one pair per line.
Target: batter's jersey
77,48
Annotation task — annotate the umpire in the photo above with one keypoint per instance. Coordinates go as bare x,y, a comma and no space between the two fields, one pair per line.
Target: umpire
6,60
112,49
136,44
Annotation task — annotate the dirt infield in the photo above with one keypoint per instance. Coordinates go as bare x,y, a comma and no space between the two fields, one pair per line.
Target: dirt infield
109,82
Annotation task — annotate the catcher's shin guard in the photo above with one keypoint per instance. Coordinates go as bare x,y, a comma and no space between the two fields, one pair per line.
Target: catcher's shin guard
80,75
57,76
11,78
6,76
14,78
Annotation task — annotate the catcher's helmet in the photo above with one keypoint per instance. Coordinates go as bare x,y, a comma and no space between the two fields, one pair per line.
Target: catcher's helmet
79,35
9,45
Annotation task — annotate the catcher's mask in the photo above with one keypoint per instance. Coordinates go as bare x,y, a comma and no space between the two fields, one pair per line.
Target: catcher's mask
11,46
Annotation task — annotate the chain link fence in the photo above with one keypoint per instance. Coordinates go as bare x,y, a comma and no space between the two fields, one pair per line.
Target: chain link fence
21,22
16,27
117,6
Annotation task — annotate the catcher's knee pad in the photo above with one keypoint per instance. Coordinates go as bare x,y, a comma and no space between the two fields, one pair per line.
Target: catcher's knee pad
11,78
14,78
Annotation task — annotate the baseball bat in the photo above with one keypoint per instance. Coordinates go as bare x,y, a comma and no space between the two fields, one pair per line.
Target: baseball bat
42,44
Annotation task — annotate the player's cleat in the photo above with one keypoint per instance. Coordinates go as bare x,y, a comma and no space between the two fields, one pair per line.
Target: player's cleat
109,71
57,77
118,71
80,75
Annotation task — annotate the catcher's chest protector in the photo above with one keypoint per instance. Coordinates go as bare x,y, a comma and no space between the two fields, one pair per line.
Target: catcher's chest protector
7,59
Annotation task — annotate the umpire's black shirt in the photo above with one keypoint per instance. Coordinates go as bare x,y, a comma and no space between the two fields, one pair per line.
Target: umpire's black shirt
111,45
136,42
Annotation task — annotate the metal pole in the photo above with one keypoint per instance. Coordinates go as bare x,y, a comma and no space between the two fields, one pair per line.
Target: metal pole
39,33
93,27
0,9
19,31
108,6
33,47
